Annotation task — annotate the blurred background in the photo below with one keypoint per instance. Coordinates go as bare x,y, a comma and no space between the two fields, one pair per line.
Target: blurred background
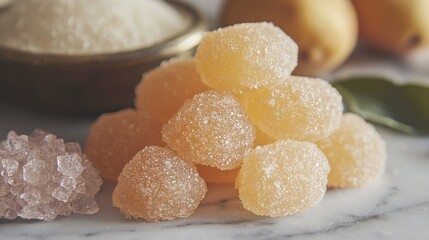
331,33
63,62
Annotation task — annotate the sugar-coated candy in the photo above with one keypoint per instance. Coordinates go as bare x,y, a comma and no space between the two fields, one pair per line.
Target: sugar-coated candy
233,114
158,185
212,129
115,137
164,89
356,153
42,177
217,176
246,56
282,178
301,108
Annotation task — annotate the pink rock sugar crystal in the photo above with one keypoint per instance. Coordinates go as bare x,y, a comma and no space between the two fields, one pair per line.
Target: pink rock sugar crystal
42,177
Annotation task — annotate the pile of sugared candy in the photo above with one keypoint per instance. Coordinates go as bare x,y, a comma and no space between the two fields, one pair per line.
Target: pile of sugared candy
233,114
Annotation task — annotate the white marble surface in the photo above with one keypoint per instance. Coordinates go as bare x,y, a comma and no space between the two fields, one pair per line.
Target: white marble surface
394,207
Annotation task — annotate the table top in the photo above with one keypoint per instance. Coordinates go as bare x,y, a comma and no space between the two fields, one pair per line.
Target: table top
396,206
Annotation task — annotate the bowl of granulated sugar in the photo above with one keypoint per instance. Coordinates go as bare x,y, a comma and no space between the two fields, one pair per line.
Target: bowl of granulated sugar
79,56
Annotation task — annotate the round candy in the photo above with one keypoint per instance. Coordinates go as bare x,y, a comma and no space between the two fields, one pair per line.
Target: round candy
356,153
158,185
301,108
115,137
282,178
212,129
246,56
164,89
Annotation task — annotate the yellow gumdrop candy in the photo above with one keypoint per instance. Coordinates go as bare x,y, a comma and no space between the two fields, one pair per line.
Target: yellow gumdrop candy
301,108
164,89
356,153
212,129
245,56
282,178
158,185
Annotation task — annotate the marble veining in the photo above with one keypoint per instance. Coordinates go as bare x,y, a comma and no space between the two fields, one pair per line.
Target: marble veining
394,207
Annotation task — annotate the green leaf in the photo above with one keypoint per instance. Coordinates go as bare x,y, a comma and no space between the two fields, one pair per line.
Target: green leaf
401,107
416,105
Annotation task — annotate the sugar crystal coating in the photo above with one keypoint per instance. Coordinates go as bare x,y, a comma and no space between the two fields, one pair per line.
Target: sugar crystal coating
163,90
158,185
212,129
115,137
301,108
217,176
356,153
245,56
282,178
42,177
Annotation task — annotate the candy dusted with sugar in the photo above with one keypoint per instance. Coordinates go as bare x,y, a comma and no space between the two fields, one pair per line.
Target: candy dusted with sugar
356,153
301,108
217,176
115,137
42,177
246,56
163,90
158,185
282,178
212,129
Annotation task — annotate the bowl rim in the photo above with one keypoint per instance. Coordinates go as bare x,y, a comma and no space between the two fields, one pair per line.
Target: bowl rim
180,42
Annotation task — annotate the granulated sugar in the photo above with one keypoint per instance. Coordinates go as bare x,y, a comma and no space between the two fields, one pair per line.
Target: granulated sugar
80,27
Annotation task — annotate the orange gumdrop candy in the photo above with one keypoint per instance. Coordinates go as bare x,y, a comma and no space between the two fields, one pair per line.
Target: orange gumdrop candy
114,138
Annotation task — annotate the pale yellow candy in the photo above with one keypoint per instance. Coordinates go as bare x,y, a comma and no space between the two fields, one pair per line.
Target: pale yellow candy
164,89
301,108
356,153
282,178
158,185
212,129
246,56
